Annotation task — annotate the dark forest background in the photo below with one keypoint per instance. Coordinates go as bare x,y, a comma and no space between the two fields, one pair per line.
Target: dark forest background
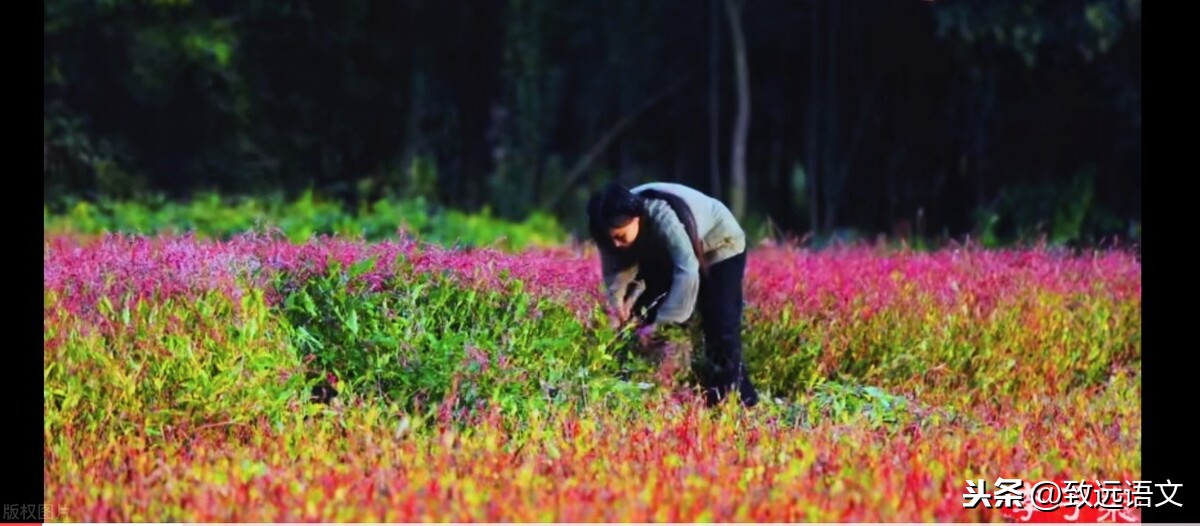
1004,119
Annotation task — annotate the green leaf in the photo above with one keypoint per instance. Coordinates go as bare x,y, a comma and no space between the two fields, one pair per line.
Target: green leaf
362,267
352,322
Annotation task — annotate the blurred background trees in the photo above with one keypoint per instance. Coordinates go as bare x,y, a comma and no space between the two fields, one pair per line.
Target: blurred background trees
1001,120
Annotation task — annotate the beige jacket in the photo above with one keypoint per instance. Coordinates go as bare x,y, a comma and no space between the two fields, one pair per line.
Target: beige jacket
722,238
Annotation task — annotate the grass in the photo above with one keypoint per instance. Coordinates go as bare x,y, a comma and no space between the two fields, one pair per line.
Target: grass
486,384
212,216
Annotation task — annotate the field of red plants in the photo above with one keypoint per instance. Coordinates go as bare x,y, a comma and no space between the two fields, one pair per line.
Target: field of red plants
479,385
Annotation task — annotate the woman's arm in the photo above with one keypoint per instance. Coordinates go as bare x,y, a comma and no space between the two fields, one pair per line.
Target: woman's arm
685,282
617,277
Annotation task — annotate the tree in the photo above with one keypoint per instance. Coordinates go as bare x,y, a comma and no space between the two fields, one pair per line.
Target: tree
741,126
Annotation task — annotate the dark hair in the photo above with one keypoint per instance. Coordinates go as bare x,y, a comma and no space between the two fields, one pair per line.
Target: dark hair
615,205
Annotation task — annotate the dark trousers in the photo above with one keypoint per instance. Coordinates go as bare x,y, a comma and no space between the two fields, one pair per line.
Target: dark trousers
720,304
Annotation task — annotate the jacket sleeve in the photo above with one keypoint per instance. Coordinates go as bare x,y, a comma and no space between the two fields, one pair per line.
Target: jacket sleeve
685,282
617,277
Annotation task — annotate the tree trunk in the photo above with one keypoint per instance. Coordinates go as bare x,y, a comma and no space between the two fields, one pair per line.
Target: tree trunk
714,108
833,183
742,124
812,125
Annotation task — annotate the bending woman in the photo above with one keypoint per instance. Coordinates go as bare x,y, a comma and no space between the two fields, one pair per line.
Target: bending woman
683,243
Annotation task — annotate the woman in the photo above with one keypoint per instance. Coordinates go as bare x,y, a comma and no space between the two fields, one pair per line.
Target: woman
682,243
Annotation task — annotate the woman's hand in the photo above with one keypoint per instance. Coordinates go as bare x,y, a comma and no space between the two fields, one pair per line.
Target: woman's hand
625,312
